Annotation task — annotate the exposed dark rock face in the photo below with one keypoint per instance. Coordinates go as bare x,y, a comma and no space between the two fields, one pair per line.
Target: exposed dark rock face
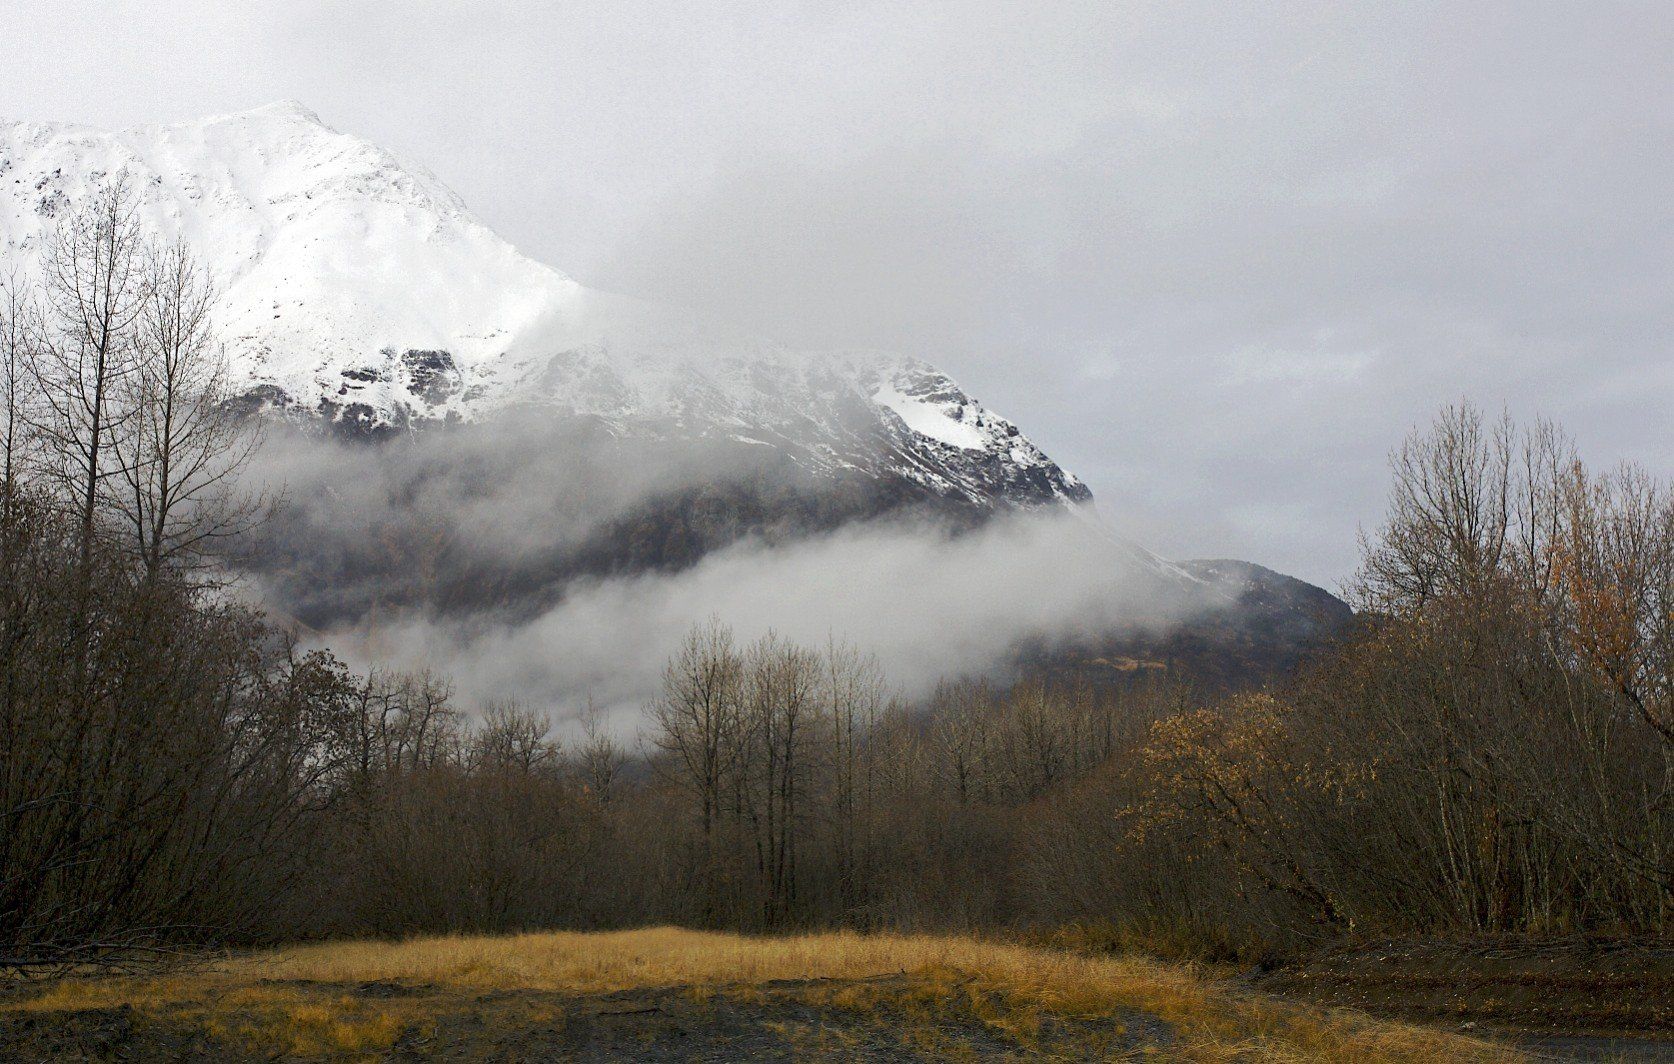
260,399
432,375
357,421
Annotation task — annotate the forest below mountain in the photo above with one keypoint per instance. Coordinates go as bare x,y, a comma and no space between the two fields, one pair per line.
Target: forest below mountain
1487,750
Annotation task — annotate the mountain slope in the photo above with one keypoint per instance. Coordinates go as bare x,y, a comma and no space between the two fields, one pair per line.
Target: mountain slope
532,434
1253,625
361,291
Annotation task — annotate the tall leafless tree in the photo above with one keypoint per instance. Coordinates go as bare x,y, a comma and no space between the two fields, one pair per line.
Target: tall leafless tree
698,714
183,450
15,390
600,758
95,294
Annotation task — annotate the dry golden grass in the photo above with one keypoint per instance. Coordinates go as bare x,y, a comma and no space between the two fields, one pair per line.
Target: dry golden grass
1010,987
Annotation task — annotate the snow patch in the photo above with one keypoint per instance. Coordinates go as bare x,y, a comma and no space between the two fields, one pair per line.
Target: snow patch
931,419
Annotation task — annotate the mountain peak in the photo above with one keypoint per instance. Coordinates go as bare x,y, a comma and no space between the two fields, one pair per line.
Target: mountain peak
359,290
288,110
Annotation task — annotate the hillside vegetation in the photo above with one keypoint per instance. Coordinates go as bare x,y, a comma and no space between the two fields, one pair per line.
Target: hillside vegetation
1490,752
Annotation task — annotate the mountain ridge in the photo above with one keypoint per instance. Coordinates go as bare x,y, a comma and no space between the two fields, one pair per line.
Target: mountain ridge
362,302
360,291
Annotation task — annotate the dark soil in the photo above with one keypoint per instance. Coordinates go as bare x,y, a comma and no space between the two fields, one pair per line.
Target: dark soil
875,1020
103,1034
1567,999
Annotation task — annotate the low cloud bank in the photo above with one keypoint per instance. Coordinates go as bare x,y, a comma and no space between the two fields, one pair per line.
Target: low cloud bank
551,561
926,603
473,517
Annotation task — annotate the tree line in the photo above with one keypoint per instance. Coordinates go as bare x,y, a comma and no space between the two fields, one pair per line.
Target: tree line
1490,750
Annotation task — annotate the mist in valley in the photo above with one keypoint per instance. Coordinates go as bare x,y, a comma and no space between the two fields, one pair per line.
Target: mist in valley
531,557
410,650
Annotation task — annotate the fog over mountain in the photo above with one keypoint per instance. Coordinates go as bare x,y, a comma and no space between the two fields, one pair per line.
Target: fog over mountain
362,291
491,469
1217,258
748,530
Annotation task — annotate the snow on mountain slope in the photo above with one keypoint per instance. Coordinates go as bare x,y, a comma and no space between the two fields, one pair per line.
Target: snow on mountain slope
360,289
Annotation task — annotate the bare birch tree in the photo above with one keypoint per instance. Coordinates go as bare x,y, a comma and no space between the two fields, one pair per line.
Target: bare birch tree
184,448
94,288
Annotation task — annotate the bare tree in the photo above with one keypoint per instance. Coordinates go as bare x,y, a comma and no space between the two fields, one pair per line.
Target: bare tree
960,713
782,711
600,759
698,714
15,390
854,693
180,458
1451,512
95,294
513,738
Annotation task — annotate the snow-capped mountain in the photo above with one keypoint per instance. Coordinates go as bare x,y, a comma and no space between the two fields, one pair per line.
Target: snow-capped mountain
556,434
361,291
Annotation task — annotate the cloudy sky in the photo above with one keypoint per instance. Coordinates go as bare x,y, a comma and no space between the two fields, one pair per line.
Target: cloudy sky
1216,257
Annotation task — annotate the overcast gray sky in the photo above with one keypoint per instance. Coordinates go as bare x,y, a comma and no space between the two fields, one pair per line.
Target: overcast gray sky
1215,257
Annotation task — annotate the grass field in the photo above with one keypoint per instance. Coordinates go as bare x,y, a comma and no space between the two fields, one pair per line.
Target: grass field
665,993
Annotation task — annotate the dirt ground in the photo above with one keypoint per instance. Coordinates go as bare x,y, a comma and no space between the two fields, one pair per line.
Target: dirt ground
858,1020
1568,999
